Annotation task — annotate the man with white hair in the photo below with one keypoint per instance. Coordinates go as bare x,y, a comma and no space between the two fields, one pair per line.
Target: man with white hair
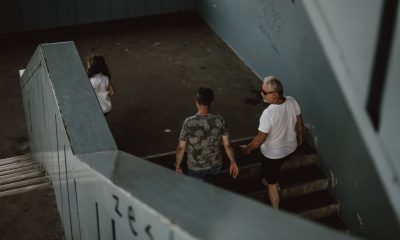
279,133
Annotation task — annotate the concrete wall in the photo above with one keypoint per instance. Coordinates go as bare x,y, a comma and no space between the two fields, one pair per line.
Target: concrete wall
23,15
103,193
323,51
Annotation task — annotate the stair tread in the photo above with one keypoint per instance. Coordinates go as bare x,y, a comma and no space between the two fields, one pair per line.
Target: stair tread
25,189
244,186
15,174
18,161
16,166
333,221
24,183
289,179
18,170
15,158
167,160
23,176
301,175
308,201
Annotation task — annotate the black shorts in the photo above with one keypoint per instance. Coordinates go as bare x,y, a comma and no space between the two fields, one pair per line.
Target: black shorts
272,168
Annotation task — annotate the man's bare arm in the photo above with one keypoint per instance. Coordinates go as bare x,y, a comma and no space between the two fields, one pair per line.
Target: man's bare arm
233,168
299,129
180,152
255,143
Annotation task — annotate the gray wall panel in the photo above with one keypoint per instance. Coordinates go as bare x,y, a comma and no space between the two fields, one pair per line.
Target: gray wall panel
84,11
389,131
101,10
170,6
30,11
119,9
153,7
66,14
10,16
136,8
186,5
48,13
25,15
284,38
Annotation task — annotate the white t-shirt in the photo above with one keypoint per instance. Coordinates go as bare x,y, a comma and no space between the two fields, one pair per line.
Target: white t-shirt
279,121
100,84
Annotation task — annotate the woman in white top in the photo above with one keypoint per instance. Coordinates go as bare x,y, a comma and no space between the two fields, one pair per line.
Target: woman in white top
100,77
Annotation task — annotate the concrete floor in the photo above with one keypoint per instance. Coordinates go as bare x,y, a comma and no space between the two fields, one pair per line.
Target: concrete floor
157,63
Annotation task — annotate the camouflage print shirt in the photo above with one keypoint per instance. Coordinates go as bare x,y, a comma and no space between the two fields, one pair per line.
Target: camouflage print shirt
203,134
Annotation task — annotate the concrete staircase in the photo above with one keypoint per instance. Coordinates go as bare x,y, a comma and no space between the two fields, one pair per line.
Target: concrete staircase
303,186
21,174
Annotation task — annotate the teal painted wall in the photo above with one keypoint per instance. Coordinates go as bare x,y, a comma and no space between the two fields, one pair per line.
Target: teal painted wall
103,193
24,15
323,51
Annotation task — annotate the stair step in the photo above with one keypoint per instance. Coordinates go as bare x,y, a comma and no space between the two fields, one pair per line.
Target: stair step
6,176
15,159
23,183
313,205
16,166
303,156
300,160
16,162
293,183
255,169
334,222
18,170
25,189
22,176
303,180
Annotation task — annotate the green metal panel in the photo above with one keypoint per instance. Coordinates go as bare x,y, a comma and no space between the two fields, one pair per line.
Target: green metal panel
153,7
66,14
30,14
170,6
48,13
136,8
24,15
101,10
84,11
119,9
186,5
10,16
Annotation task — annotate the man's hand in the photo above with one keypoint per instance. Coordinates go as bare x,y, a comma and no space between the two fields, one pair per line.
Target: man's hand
233,169
245,149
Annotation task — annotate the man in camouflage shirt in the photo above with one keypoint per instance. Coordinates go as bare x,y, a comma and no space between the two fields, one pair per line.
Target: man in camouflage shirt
203,134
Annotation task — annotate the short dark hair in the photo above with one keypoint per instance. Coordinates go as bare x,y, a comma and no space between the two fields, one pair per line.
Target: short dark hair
205,96
97,64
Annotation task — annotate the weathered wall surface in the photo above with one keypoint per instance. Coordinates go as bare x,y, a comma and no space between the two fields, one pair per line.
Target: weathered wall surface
23,15
325,61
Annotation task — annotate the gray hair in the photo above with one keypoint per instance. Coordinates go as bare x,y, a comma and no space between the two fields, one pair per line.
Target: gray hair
274,84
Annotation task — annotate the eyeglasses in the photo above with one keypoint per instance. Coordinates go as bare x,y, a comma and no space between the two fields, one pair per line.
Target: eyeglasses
264,93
